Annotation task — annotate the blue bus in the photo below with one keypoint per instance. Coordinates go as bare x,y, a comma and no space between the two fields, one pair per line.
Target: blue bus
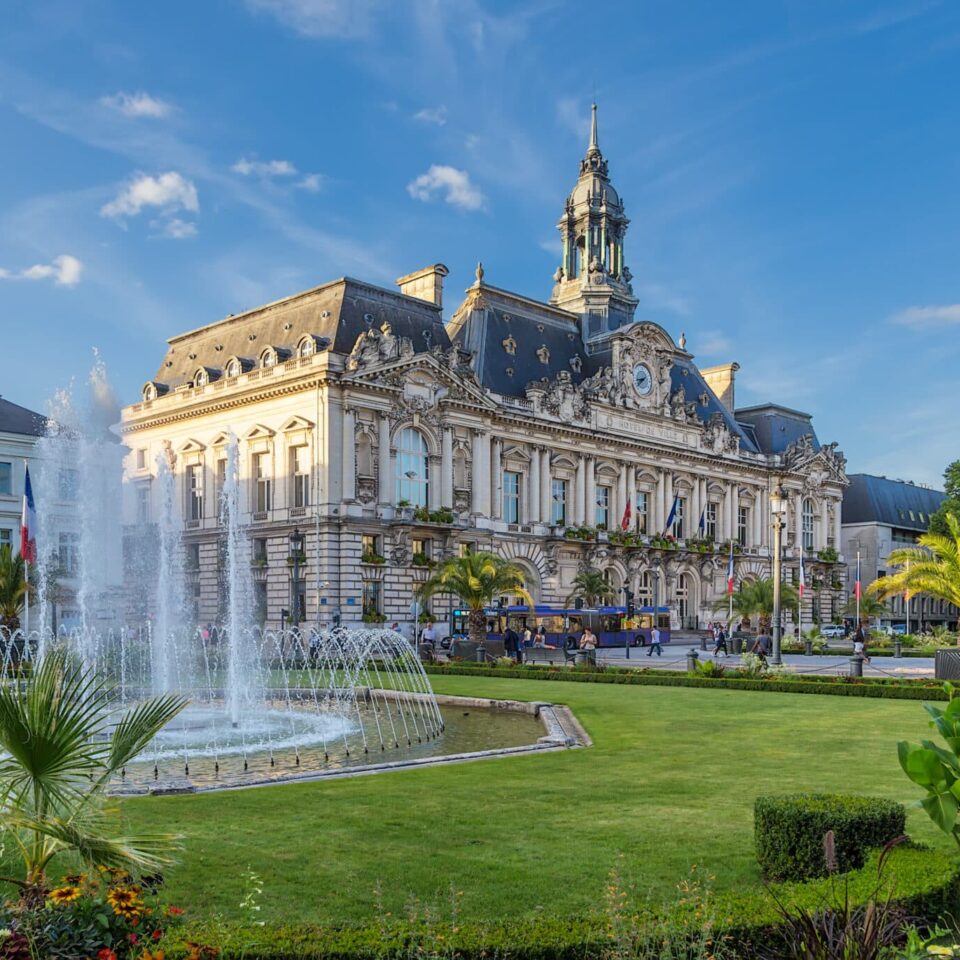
611,624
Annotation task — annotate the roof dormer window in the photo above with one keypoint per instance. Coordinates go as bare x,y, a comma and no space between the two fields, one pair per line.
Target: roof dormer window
268,358
200,378
149,392
233,368
306,347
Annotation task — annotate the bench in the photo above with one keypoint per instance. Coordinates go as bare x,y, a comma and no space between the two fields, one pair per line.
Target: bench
558,655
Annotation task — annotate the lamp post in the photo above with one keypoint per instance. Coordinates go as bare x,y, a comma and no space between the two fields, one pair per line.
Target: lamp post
778,510
296,550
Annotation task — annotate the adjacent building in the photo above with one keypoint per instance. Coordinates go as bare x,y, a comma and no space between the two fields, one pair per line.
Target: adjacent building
881,515
564,434
20,429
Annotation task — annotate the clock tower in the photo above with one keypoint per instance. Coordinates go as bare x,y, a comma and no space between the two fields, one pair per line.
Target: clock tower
593,278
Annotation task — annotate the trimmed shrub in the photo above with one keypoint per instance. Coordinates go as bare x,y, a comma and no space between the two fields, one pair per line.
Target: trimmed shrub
924,883
789,831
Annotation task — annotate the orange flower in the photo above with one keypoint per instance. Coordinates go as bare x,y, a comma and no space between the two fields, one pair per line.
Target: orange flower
106,954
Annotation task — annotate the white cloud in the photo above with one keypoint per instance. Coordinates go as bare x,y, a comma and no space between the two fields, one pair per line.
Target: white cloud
454,184
264,168
434,115
947,315
177,229
553,246
64,270
711,343
138,104
322,18
312,182
170,191
573,116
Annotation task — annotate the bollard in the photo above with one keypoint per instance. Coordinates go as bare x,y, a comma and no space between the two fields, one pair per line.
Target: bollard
856,665
898,648
481,654
692,658
808,647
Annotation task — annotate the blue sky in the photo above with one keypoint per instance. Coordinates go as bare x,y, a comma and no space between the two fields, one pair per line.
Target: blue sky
790,168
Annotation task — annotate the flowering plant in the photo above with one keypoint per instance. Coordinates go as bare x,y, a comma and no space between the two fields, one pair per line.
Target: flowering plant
106,916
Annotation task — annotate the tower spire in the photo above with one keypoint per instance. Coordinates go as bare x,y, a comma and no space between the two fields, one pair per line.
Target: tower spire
594,147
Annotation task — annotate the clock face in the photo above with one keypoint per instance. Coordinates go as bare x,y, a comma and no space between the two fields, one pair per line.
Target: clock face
642,379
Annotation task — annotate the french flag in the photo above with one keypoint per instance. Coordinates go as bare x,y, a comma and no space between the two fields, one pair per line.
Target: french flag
672,516
627,514
28,522
858,592
730,570
803,577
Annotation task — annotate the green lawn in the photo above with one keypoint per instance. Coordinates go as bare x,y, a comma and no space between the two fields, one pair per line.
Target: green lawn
670,782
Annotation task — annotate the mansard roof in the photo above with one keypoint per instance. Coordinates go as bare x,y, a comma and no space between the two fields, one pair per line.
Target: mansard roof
20,420
897,503
515,340
339,312
685,374
775,427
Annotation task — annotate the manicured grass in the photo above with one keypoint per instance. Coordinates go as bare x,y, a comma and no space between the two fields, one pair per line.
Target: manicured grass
670,782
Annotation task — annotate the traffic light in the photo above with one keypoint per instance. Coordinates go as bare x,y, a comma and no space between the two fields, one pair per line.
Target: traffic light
631,608
578,603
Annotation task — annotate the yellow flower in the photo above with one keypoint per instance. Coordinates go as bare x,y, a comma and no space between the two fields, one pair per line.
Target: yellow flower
933,950
125,901
64,894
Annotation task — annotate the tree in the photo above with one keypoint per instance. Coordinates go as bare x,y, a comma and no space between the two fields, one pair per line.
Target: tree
61,743
931,567
13,588
755,599
870,607
479,580
592,587
951,486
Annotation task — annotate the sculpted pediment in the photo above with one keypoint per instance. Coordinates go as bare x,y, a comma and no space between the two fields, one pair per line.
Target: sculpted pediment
191,446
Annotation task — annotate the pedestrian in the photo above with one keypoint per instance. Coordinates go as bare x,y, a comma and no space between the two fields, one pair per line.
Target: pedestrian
395,626
511,643
761,646
588,640
527,637
720,641
429,634
860,643
655,642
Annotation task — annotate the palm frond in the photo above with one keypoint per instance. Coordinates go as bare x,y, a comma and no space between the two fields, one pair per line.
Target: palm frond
139,726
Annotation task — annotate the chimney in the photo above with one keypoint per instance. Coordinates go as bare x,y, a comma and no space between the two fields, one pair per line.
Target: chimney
722,380
425,284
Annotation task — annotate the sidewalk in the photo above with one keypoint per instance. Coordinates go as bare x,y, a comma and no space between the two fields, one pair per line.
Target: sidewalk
675,658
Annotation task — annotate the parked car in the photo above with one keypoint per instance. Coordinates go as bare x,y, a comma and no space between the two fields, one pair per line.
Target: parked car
832,631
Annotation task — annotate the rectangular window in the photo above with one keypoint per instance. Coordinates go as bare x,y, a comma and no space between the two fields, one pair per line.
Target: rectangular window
6,478
260,551
371,598
264,489
69,483
221,482
558,510
678,529
466,549
192,559
642,506
421,548
141,459
143,503
6,538
195,491
710,521
69,553
743,525
603,508
511,497
369,547
300,472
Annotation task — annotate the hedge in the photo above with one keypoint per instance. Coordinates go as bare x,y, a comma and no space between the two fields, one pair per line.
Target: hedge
789,831
925,883
892,689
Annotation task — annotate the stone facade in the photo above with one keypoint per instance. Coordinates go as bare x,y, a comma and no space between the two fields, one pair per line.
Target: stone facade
393,440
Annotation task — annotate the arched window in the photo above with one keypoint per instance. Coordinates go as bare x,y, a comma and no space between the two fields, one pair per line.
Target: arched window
413,465
149,392
268,358
808,517
233,367
200,378
306,347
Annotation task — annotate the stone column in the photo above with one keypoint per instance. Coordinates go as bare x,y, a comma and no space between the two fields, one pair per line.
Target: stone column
591,493
692,523
725,513
621,505
531,489
657,516
385,488
477,487
349,455
668,495
632,496
496,479
546,488
824,525
798,519
434,481
446,468
837,532
758,504
579,495
734,510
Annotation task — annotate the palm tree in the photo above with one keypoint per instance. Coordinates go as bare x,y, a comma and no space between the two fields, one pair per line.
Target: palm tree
13,588
479,580
61,743
755,599
870,607
931,567
592,587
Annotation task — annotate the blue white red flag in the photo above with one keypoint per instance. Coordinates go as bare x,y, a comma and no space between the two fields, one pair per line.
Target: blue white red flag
702,525
858,591
672,516
803,577
627,514
28,522
730,570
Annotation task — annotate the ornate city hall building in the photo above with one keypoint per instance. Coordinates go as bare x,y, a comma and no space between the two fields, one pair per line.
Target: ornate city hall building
565,435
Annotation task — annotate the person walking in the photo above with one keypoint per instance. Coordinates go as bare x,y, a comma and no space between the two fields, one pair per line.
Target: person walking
860,642
527,638
761,647
720,641
655,642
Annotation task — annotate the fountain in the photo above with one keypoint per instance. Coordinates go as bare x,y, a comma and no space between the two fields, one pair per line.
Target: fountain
263,705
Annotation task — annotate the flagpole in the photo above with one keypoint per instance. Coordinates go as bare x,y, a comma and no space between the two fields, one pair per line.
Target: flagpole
859,588
26,564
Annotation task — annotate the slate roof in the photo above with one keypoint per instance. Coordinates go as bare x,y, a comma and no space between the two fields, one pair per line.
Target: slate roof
17,419
685,374
894,503
338,312
774,427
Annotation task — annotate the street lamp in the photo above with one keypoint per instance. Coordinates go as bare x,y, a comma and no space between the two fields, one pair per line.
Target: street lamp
778,510
296,550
